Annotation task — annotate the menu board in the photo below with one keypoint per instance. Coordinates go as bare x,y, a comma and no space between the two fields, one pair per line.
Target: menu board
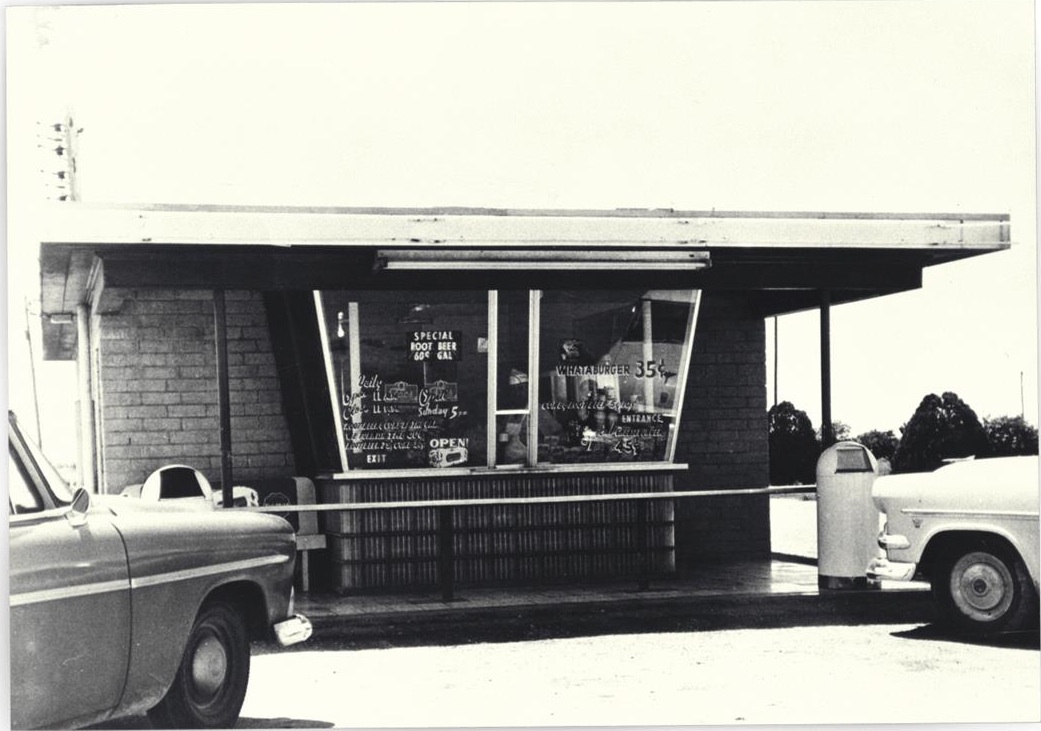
414,417
608,410
434,346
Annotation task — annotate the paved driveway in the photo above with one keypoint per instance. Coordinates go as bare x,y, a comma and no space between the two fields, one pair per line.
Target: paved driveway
793,525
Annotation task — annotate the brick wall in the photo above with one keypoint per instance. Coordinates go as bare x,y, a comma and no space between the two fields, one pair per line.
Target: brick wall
723,435
158,388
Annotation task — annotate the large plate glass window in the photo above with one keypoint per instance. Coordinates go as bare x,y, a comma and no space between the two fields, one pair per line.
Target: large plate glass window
506,379
612,365
409,373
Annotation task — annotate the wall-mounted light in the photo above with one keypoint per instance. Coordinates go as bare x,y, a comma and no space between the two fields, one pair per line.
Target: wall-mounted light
60,318
541,259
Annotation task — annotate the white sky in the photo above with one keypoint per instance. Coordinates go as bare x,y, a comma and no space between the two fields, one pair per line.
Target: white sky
800,106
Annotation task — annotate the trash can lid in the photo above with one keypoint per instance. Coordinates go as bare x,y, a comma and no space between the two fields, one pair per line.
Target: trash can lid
846,456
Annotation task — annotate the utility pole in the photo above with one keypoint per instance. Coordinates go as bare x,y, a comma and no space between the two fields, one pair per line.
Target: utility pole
32,374
62,138
1022,403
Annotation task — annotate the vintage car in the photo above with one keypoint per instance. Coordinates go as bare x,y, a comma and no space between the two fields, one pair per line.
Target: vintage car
120,606
971,529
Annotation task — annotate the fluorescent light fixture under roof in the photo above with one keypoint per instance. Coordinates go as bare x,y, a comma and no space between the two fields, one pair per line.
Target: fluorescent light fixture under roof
540,259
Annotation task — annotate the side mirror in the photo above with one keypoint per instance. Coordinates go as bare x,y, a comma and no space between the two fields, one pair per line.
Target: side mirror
77,514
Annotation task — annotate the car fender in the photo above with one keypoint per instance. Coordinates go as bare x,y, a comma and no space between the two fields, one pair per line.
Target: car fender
939,533
991,496
179,559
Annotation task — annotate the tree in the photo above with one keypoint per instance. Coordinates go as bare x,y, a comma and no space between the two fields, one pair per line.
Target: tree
839,429
881,443
940,428
793,446
1009,436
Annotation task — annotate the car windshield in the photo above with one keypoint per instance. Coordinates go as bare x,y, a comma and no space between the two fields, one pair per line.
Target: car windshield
57,485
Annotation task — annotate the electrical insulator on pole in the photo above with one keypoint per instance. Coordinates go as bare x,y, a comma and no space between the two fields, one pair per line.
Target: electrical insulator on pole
65,142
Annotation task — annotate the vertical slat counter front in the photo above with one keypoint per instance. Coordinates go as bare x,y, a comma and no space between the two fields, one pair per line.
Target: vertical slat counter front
537,542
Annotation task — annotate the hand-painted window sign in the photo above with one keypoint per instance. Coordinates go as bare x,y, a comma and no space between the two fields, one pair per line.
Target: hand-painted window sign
435,345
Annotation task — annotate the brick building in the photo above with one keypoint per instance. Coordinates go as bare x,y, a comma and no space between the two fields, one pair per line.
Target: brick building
157,383
397,355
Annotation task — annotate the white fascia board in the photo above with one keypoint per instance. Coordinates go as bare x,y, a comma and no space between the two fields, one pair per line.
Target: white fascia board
92,224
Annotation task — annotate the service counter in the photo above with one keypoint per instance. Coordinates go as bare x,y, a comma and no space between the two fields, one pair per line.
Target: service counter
532,543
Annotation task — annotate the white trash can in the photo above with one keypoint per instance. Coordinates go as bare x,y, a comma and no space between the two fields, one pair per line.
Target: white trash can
847,519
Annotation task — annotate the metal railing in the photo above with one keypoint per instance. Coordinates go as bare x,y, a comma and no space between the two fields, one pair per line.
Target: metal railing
446,508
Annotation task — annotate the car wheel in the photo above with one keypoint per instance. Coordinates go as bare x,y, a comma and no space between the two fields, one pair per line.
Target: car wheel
210,684
983,591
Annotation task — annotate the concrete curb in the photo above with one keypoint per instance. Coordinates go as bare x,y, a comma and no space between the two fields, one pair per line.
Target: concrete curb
460,623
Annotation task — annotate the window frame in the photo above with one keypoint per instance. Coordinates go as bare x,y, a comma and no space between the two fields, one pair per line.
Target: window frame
15,467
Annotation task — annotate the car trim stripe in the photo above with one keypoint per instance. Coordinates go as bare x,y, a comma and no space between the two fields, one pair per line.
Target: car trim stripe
185,574
103,587
69,592
1013,514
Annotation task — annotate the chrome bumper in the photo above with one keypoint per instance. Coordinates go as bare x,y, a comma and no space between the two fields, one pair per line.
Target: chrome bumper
293,630
882,568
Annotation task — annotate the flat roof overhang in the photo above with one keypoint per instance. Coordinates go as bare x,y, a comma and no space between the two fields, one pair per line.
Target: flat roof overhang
785,258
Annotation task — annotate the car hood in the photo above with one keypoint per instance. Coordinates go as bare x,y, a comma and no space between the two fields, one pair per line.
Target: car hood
1004,483
125,505
198,511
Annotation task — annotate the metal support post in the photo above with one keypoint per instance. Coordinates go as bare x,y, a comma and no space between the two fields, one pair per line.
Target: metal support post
223,395
827,429
86,405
